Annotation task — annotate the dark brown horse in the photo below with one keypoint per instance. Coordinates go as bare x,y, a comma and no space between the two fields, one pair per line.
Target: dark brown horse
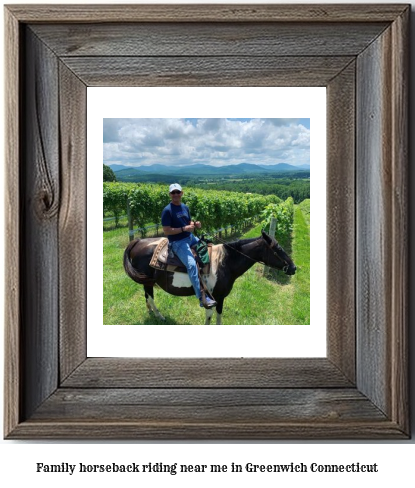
229,261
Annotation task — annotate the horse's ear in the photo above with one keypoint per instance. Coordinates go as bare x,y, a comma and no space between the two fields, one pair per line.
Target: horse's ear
266,237
271,241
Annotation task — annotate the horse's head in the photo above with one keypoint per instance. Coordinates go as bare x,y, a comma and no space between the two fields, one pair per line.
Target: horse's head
276,257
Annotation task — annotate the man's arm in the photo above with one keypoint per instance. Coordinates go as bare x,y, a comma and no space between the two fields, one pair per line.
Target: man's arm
170,231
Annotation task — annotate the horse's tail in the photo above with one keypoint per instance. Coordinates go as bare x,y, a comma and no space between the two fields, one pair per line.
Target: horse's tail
134,274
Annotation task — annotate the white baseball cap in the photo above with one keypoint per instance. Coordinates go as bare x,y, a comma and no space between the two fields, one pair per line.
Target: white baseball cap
175,186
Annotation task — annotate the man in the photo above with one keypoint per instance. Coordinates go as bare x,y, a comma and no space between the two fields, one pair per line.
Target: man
178,227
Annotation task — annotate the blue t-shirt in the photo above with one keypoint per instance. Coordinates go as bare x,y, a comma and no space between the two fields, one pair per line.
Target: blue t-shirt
176,216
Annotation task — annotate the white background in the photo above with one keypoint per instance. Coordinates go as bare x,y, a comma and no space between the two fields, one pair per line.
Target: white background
208,341
395,459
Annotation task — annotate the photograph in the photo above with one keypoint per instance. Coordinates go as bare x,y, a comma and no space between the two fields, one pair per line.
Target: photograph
215,211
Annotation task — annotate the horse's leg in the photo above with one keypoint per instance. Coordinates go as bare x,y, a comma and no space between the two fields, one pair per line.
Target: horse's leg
147,297
151,306
219,308
209,315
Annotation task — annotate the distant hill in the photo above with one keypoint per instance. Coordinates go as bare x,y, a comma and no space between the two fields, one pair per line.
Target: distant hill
284,167
118,167
127,173
134,176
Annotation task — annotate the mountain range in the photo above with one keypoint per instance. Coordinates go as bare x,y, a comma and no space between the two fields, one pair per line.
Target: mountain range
205,169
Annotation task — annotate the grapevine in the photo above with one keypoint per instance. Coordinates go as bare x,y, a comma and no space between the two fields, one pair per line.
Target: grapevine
213,208
284,213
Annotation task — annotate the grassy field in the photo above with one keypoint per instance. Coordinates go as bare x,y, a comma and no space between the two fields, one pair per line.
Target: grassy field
255,298
305,209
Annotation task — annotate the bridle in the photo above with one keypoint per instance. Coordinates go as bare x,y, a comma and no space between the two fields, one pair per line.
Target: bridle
258,242
287,264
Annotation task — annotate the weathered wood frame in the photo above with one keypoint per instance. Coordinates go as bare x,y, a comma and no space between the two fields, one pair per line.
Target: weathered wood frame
359,52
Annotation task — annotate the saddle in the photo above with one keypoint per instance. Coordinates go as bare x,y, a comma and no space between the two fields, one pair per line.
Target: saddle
165,260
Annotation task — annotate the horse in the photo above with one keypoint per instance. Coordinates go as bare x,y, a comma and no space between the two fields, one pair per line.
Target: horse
228,262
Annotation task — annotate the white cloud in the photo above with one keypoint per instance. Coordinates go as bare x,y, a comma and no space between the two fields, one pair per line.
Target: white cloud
210,141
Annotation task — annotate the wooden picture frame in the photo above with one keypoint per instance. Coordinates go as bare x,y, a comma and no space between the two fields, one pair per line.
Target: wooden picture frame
360,53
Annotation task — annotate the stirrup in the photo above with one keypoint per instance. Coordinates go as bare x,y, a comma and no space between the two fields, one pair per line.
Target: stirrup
207,303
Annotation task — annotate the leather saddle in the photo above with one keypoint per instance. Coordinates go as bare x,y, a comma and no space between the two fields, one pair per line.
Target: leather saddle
165,260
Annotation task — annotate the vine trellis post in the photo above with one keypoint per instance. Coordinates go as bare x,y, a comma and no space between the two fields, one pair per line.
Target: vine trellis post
272,229
130,221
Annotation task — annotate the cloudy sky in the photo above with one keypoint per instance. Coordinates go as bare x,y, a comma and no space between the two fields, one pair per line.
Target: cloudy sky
218,142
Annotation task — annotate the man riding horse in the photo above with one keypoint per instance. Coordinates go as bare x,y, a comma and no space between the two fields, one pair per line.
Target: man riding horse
178,227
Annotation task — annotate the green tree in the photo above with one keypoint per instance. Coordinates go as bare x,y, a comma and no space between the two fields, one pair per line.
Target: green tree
109,174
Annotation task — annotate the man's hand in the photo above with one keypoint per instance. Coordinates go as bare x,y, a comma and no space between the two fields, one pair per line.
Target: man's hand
190,227
198,225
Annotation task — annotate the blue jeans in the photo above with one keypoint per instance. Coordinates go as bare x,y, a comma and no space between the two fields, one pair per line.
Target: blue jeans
182,250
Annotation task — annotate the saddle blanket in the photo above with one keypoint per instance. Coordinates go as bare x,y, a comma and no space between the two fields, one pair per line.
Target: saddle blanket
165,261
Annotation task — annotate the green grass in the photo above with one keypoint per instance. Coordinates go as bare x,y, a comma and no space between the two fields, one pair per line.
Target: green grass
301,257
254,299
305,208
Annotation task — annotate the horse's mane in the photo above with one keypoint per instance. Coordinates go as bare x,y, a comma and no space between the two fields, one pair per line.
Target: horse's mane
238,244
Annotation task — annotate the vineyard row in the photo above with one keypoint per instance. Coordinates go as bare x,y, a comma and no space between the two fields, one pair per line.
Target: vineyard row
215,209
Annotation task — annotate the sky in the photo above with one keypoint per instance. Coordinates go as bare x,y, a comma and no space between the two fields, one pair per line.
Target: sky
217,142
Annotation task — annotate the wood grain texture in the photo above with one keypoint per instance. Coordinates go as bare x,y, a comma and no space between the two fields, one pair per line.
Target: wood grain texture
39,258
341,237
206,373
235,39
372,227
381,225
13,383
205,71
400,231
149,430
206,13
207,399
72,222
188,430
209,405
